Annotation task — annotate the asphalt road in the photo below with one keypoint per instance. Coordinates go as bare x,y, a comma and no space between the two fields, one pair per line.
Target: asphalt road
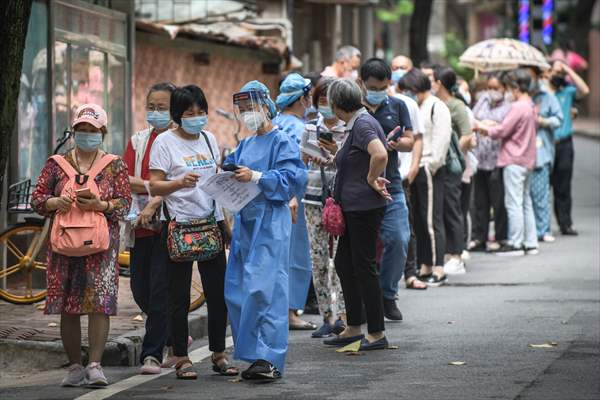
487,319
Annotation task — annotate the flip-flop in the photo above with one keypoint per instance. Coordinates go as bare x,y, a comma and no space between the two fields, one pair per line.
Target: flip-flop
306,326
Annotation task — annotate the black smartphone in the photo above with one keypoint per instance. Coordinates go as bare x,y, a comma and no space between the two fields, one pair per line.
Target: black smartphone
396,133
326,136
229,167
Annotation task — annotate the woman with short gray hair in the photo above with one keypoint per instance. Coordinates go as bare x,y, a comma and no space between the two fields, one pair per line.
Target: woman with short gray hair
361,191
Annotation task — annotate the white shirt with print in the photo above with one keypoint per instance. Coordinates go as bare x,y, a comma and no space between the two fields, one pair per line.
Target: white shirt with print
176,156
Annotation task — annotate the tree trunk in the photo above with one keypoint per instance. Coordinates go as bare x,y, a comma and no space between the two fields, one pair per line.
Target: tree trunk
580,26
14,16
419,31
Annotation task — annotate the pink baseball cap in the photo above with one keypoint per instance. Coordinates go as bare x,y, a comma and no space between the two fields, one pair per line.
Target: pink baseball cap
92,114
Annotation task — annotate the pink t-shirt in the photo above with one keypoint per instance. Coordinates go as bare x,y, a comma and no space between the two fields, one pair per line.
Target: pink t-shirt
517,135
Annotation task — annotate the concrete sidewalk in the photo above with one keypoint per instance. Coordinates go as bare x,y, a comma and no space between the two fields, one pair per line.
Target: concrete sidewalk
588,127
31,340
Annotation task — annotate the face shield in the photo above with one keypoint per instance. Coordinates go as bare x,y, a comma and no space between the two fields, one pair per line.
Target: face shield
250,110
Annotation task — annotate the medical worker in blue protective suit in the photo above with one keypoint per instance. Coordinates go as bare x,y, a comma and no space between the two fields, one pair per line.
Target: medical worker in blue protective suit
256,281
293,101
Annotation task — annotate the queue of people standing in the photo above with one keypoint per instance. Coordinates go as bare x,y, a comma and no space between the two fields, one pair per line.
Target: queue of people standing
369,173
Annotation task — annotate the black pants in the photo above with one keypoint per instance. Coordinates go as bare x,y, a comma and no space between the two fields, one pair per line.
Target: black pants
465,205
212,274
453,215
561,182
150,291
489,194
410,268
356,267
427,198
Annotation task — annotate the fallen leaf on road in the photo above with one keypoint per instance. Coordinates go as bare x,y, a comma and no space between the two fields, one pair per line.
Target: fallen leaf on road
138,318
547,345
393,347
450,322
236,380
52,325
355,346
457,363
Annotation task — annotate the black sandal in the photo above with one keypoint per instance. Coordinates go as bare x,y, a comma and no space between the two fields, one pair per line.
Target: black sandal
224,368
183,370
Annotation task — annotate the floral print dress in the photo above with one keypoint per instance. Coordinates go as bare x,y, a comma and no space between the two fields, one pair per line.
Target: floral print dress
85,285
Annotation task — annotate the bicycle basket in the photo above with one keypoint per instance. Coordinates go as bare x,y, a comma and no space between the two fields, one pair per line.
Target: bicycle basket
19,197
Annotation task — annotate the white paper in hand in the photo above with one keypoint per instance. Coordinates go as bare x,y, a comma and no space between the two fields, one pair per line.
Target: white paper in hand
228,192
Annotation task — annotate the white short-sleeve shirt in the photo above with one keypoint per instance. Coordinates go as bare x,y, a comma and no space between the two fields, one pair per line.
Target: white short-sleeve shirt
405,158
176,156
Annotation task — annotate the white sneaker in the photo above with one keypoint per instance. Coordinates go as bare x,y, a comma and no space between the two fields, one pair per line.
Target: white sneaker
95,376
75,376
548,238
465,255
531,251
454,266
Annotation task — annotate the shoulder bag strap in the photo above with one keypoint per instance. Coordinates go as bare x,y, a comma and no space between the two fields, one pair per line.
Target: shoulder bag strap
65,166
215,160
324,184
102,163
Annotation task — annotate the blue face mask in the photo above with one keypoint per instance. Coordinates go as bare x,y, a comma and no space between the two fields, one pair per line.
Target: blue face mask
158,119
309,110
326,112
194,125
88,141
397,75
376,97
410,94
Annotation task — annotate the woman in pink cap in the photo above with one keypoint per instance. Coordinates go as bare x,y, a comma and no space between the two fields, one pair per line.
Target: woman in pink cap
84,284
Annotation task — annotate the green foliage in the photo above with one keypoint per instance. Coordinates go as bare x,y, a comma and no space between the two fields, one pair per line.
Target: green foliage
403,7
453,49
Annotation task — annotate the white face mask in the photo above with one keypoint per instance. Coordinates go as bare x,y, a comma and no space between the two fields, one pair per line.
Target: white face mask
253,120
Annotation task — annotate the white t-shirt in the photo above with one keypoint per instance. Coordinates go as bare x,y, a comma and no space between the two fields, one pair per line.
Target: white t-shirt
405,158
176,156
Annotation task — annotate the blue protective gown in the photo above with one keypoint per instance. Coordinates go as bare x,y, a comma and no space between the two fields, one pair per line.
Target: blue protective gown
256,281
300,261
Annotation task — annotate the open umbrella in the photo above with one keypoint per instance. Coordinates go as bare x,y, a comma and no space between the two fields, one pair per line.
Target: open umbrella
502,54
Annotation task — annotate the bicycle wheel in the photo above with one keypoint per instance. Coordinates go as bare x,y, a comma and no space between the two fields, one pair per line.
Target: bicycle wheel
197,297
22,279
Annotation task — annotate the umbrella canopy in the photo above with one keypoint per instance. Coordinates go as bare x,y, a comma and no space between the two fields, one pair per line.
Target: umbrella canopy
502,54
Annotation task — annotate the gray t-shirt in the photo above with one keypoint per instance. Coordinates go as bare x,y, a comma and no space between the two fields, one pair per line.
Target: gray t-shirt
352,161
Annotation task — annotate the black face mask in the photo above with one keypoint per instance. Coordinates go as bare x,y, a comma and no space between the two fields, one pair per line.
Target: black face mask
558,81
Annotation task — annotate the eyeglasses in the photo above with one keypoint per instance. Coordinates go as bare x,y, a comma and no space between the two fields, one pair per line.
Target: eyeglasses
156,108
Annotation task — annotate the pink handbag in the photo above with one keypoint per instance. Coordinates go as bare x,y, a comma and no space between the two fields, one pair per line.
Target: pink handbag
333,218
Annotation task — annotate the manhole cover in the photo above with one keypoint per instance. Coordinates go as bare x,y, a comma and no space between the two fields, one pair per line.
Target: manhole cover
16,333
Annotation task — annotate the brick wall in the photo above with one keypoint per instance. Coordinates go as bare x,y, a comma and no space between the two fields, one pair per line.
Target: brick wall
224,76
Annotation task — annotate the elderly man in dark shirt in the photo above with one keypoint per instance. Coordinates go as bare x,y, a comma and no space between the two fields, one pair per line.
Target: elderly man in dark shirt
392,114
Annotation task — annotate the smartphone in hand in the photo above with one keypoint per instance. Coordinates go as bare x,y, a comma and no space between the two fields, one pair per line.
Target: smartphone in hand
85,193
395,134
326,136
230,167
